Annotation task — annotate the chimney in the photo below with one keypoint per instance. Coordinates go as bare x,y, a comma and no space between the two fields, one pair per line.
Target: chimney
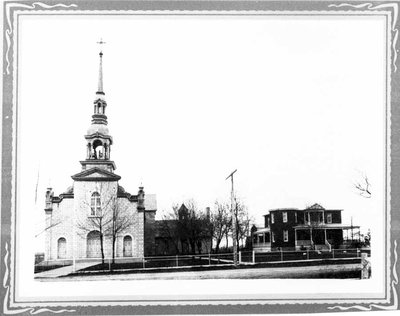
208,212
140,205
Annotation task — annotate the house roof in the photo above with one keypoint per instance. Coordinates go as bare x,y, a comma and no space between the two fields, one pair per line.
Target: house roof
315,206
327,226
284,209
262,230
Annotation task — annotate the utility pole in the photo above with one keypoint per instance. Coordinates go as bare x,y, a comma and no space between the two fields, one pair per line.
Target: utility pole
233,220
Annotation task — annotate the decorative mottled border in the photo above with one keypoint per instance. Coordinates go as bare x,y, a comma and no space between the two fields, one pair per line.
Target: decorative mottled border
10,11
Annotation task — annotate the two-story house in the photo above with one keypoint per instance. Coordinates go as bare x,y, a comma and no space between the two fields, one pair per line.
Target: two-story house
294,229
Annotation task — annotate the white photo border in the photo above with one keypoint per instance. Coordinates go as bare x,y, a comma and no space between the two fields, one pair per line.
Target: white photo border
11,11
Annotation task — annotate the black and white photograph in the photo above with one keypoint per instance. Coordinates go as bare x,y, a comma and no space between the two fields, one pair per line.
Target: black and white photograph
203,154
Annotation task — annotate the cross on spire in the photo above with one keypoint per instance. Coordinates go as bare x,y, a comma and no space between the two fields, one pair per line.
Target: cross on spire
101,42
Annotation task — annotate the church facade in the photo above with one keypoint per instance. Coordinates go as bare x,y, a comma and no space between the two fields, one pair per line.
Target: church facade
96,216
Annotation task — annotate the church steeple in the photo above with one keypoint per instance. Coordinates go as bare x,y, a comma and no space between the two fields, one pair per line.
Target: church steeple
100,104
98,139
100,85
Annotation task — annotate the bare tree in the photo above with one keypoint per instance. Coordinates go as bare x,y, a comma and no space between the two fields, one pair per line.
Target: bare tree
119,222
98,221
191,226
50,225
168,227
242,221
363,187
220,223
187,227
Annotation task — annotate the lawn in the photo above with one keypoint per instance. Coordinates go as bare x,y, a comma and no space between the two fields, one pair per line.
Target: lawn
42,268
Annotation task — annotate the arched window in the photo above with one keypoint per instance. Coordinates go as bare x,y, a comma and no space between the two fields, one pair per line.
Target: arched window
61,248
95,206
98,149
127,249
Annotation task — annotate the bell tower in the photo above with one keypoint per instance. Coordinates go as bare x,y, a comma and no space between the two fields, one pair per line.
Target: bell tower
98,139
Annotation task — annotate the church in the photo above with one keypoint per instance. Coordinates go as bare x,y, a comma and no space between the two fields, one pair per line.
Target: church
96,217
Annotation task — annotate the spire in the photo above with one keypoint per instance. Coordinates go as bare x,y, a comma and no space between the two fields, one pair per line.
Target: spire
98,139
100,83
100,104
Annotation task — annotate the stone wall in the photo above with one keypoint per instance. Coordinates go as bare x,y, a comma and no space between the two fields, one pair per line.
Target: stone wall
72,220
59,223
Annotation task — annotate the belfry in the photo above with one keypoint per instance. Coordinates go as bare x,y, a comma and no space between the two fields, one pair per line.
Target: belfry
98,139
96,217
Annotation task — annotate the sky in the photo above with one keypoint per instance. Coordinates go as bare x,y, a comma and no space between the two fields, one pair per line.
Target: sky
295,104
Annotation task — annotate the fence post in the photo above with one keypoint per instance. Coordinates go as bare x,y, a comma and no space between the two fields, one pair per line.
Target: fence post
177,264
254,256
240,257
209,259
365,265
333,253
144,263
308,255
109,264
357,252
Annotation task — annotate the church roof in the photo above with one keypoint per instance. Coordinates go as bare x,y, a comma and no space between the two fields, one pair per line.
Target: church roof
69,190
96,174
98,129
150,200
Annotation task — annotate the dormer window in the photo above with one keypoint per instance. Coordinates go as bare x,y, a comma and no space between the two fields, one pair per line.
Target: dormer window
95,206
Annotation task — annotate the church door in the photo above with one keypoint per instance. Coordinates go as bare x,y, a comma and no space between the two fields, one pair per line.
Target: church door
62,248
93,245
127,246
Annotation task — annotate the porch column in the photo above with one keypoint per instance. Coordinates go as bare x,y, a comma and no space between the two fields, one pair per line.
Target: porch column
295,238
325,235
311,236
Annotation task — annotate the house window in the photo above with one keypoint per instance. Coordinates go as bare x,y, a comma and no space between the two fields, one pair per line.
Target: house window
329,218
95,207
284,217
273,237
285,236
272,218
261,238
